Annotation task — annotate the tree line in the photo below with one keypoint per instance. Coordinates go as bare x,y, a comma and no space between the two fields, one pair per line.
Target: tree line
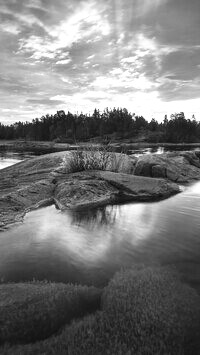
111,124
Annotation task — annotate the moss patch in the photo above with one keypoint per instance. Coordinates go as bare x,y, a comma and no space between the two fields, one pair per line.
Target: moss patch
144,312
34,311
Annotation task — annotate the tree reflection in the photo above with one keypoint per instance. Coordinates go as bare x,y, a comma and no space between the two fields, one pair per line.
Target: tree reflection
95,217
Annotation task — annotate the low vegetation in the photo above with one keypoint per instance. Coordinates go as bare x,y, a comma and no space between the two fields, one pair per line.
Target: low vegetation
96,158
92,158
152,312
144,312
33,311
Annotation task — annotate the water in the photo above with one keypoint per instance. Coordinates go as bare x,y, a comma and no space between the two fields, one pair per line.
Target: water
8,158
162,149
89,247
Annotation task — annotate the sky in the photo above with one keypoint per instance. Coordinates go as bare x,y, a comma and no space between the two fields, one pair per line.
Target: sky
77,55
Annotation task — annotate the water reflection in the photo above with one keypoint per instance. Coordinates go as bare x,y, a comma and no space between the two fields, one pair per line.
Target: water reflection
94,217
161,149
8,158
88,247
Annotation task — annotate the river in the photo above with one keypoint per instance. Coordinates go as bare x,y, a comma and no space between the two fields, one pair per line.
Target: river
89,247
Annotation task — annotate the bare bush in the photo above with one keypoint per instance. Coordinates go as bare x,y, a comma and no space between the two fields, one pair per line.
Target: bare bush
93,158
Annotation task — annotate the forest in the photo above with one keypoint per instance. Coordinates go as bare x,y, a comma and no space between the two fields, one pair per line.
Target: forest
109,125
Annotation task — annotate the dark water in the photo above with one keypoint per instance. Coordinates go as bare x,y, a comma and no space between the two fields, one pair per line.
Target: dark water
89,247
161,149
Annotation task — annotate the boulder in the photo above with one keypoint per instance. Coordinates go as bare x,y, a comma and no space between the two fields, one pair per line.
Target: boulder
82,190
178,167
192,158
159,171
137,188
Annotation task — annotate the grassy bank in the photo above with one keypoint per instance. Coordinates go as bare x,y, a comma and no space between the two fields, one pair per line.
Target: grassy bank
143,311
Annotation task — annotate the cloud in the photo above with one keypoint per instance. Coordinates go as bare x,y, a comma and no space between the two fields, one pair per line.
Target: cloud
45,102
143,7
10,28
85,22
82,54
63,61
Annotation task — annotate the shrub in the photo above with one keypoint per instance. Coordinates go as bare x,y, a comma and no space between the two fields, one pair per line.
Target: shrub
97,158
34,311
91,158
144,312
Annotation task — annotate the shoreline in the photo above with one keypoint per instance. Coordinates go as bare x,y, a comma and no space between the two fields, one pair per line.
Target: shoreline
51,147
28,184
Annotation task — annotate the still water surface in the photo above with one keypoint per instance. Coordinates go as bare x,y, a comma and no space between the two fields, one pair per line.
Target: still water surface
89,247
8,158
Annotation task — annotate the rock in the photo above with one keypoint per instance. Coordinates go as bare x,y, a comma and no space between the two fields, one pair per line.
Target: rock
143,167
96,188
197,153
14,205
173,166
81,190
192,158
30,171
27,185
159,171
137,188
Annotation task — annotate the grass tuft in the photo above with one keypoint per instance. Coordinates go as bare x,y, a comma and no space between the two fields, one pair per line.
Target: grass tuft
94,158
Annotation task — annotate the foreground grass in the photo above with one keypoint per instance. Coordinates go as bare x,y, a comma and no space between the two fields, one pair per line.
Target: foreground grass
144,312
34,311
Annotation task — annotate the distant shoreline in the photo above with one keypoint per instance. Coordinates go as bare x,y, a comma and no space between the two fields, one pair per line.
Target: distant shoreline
50,146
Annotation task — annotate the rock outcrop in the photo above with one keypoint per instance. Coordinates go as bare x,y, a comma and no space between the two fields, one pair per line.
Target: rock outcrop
178,167
45,180
137,188
82,190
96,188
27,185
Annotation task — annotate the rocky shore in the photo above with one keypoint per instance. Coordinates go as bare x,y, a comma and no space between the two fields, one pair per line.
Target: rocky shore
179,167
47,180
